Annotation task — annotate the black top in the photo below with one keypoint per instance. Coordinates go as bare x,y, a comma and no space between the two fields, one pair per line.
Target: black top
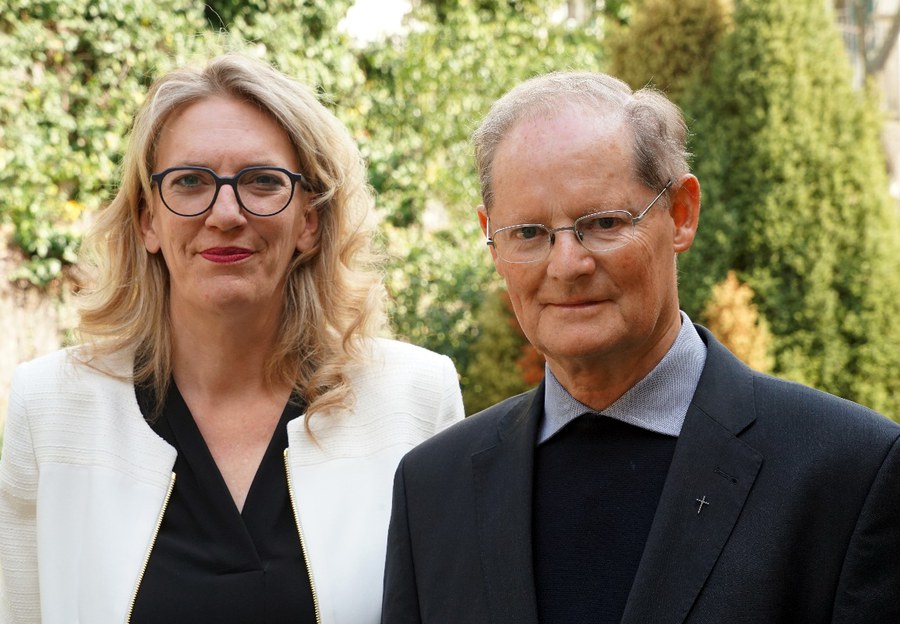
597,483
211,563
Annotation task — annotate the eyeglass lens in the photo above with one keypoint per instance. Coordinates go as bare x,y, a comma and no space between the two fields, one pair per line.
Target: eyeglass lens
598,233
191,192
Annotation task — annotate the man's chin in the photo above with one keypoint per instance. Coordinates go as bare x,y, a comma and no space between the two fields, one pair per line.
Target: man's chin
576,348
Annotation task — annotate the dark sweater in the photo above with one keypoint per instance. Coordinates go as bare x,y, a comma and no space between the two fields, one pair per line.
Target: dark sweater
597,483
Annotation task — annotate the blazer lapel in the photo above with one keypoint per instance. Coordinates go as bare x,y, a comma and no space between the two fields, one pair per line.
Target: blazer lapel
502,475
711,475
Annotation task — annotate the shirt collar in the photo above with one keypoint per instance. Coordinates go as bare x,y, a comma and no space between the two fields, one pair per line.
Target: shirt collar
658,402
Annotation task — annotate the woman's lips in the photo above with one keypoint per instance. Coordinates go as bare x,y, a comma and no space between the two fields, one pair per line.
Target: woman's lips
226,255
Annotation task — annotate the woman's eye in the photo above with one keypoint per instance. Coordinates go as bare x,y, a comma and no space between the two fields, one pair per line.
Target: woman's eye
266,180
188,180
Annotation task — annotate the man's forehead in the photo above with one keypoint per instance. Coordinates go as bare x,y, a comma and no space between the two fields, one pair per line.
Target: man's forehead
566,136
586,114
583,159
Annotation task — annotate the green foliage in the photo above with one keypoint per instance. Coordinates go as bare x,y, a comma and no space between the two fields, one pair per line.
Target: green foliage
444,10
300,37
72,73
435,290
48,245
616,10
494,372
795,201
667,44
278,19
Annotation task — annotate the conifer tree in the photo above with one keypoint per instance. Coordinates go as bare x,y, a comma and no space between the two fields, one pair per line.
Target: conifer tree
667,44
795,201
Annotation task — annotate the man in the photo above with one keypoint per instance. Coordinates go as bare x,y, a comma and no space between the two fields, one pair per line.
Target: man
652,477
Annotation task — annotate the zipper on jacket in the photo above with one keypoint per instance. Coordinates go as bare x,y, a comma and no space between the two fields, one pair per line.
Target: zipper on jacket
150,548
312,582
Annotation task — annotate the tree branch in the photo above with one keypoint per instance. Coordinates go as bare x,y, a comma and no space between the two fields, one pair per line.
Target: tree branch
875,65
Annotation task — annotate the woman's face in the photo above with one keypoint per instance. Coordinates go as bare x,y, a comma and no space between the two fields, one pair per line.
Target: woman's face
226,261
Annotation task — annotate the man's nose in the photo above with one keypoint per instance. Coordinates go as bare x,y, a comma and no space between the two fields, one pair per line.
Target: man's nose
568,257
567,228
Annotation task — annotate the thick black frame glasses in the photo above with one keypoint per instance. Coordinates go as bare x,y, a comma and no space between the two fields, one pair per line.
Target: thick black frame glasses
244,176
598,232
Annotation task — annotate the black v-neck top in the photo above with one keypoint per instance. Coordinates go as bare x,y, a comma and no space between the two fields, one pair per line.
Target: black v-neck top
211,563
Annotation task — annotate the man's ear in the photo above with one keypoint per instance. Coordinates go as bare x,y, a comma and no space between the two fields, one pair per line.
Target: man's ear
148,230
685,212
483,221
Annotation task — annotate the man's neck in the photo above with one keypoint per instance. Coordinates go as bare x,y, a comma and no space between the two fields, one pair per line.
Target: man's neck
598,382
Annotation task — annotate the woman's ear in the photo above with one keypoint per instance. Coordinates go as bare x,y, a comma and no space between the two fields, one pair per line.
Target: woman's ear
306,239
148,230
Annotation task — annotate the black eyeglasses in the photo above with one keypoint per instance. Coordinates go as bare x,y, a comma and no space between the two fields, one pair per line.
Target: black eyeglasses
597,232
261,191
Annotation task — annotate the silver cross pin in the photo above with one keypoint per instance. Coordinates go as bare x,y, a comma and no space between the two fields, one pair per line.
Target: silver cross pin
702,502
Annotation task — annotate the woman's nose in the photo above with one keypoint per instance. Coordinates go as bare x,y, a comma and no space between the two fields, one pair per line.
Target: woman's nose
226,211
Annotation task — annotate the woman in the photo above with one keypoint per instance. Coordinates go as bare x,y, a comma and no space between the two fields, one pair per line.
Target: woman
221,448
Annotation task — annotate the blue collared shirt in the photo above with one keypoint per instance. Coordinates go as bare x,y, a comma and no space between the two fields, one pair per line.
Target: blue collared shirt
658,402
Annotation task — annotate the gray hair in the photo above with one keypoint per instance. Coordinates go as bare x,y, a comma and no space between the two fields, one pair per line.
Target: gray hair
659,130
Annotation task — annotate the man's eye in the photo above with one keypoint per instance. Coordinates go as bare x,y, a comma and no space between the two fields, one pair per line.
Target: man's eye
527,232
604,222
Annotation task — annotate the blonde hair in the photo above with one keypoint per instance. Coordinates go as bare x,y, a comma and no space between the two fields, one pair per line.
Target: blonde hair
659,130
333,294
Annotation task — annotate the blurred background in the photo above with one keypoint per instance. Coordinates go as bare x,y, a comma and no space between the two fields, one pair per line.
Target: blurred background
793,107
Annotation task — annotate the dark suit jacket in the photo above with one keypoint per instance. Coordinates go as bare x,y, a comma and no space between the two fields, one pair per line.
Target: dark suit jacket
802,526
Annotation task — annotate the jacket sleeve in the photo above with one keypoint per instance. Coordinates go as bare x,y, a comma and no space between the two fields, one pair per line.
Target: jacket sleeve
870,578
451,401
400,601
19,593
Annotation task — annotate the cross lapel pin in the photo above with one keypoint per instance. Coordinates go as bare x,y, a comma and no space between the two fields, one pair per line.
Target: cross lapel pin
702,502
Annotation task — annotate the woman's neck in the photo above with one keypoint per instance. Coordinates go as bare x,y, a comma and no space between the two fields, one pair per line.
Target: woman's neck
222,354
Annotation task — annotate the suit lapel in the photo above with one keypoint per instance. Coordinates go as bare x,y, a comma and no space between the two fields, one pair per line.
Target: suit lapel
710,464
502,479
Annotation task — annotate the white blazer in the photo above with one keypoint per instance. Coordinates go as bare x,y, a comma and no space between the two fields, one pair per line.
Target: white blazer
84,481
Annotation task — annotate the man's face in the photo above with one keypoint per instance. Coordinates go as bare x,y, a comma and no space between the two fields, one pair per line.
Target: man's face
583,309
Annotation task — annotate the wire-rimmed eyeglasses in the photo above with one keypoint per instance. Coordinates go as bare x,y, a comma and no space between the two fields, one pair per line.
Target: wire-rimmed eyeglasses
261,191
598,232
